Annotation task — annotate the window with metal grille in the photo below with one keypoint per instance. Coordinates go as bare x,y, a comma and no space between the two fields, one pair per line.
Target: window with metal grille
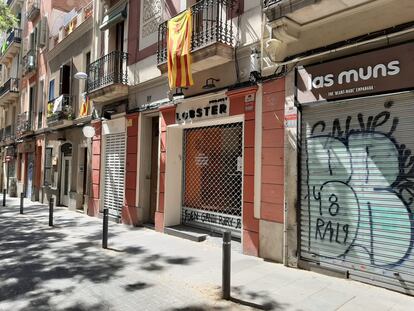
213,166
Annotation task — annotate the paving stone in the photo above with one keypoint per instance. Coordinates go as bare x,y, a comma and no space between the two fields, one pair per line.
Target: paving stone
65,268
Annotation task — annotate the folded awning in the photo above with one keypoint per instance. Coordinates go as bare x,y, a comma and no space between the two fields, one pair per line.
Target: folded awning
114,17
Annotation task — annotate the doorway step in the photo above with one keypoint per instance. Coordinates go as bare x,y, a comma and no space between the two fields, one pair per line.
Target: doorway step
185,232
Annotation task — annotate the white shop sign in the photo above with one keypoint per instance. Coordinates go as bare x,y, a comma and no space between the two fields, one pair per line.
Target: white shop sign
202,110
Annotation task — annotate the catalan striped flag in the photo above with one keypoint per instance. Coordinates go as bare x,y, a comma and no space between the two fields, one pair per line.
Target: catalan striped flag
178,49
85,105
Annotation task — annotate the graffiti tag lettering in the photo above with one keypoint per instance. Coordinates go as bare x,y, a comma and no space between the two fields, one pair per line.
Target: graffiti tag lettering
360,190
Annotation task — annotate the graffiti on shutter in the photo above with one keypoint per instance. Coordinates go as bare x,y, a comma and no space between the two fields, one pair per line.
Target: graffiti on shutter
359,186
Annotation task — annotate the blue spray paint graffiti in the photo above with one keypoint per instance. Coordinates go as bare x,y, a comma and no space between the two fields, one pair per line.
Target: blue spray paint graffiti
360,190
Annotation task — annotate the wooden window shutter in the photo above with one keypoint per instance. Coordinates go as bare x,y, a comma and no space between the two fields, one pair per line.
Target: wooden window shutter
25,46
42,33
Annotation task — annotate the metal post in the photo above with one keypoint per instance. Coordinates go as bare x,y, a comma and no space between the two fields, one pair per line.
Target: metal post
226,265
4,197
21,202
8,175
51,212
105,229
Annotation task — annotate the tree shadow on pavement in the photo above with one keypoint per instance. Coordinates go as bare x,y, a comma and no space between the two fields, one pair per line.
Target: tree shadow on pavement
258,300
200,307
40,266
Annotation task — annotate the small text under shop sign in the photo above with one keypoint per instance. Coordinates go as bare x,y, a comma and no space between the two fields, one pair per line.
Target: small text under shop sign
215,108
191,215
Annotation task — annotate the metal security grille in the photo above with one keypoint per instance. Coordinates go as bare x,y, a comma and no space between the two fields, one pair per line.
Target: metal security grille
357,189
213,166
114,173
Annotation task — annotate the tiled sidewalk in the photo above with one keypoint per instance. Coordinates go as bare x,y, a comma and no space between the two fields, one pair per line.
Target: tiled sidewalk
65,268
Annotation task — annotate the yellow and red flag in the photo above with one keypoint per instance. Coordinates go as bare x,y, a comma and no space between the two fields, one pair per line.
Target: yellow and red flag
178,49
85,104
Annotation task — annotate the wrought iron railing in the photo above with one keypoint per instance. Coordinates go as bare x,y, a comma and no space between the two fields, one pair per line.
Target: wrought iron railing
211,23
33,9
107,70
11,85
14,35
59,108
29,62
267,3
24,123
8,132
78,19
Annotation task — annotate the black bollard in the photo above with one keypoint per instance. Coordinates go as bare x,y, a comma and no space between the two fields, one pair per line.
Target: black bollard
226,265
105,229
21,202
51,212
4,197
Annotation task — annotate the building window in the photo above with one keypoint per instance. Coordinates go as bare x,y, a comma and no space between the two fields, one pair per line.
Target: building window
48,166
51,89
20,170
87,63
40,105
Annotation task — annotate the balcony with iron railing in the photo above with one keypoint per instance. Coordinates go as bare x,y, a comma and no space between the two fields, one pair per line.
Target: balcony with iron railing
24,124
108,77
60,111
268,3
9,91
8,133
29,63
212,35
11,46
84,14
33,9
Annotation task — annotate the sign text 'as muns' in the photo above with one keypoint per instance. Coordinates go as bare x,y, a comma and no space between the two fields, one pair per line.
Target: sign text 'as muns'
380,71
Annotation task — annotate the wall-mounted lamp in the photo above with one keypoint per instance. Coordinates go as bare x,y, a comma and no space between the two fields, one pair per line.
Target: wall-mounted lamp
107,114
179,94
210,83
80,75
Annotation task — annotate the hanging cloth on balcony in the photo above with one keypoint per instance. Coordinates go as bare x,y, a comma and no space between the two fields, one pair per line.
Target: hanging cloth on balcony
57,105
178,47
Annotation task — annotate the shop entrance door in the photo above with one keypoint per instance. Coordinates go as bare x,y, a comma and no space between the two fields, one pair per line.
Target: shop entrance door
357,192
29,181
154,167
65,186
213,170
114,176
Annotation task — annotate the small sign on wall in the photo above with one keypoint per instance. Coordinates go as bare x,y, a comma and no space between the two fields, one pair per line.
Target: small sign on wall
249,98
291,117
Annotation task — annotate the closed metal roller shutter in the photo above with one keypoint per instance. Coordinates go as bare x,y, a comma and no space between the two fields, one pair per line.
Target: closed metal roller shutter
357,188
114,174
